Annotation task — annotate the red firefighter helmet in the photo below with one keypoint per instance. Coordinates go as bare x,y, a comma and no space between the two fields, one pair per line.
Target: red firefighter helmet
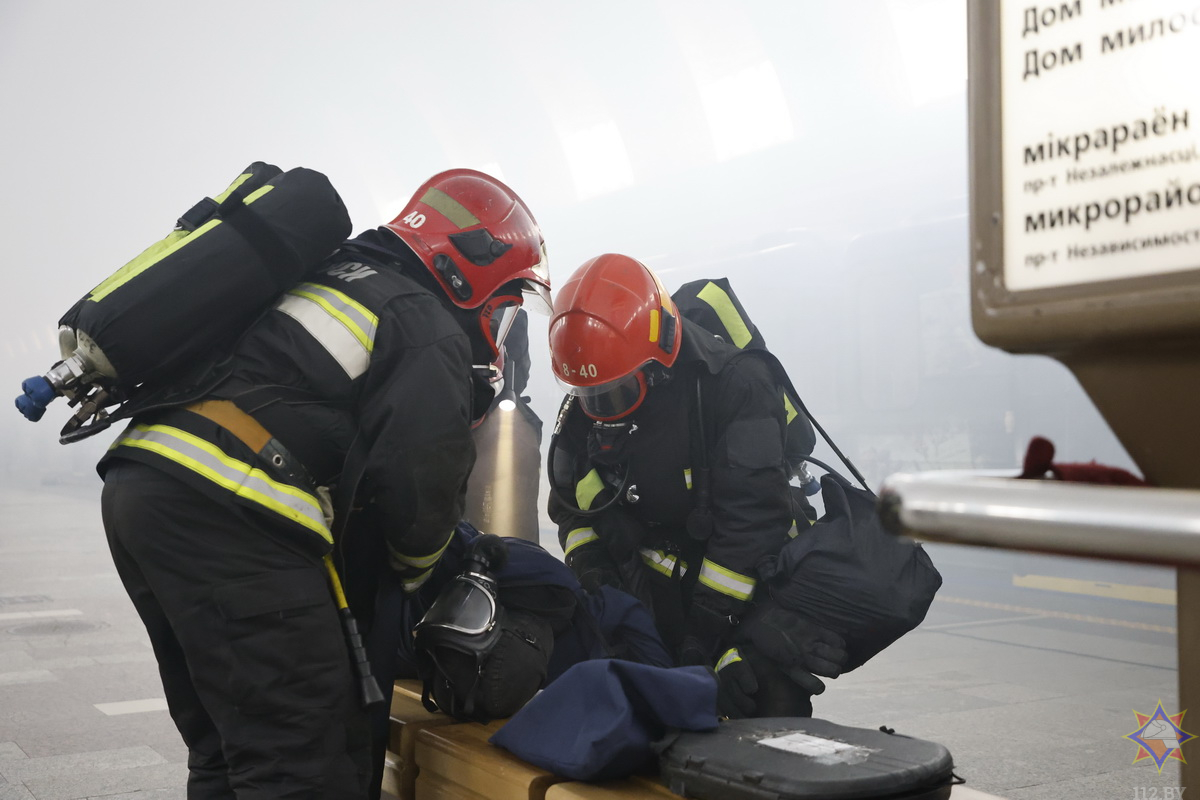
481,243
611,320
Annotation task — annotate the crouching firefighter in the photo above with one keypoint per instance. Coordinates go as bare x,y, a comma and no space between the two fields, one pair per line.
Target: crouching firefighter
668,473
367,376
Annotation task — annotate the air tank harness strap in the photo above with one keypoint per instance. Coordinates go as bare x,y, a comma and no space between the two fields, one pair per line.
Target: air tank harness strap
252,434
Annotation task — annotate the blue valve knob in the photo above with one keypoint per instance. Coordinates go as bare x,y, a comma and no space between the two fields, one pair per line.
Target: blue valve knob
37,395
808,484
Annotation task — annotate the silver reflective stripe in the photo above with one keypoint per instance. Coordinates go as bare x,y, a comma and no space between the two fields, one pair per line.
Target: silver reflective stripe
579,536
343,326
659,561
731,656
246,481
412,584
726,581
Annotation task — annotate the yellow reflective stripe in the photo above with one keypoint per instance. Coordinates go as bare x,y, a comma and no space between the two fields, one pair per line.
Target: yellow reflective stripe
791,409
449,208
726,581
587,489
257,193
229,473
716,297
238,181
159,250
579,537
317,293
659,561
421,562
148,258
654,325
732,656
687,478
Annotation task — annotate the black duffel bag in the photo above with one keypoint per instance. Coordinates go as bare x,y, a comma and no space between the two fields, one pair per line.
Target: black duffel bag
848,574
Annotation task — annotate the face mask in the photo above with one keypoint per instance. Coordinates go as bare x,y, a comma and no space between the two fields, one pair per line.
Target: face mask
477,660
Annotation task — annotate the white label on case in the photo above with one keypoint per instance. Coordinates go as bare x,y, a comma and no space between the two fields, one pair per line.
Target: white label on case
825,751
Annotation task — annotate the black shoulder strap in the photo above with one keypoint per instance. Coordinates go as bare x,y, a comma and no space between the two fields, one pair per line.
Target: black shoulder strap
353,469
699,521
701,476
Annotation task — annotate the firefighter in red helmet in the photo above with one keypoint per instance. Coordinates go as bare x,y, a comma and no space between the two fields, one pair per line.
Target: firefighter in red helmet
667,468
364,380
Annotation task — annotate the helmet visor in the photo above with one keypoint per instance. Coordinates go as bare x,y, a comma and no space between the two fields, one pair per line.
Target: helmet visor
612,400
537,292
497,318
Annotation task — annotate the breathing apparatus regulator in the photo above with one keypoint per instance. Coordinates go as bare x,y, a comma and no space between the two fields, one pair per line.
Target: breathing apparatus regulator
478,660
78,378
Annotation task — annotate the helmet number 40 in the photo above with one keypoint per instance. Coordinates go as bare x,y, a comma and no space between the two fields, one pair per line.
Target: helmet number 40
414,219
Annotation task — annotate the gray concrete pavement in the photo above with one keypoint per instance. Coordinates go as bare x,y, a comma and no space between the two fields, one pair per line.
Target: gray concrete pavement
1032,689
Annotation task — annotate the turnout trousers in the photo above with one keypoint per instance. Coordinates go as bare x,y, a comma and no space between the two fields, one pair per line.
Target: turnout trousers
251,653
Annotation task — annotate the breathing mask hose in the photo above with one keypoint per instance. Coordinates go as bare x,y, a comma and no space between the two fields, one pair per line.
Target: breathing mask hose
563,410
487,555
368,688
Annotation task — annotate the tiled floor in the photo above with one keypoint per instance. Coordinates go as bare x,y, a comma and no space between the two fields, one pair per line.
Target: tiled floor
1032,691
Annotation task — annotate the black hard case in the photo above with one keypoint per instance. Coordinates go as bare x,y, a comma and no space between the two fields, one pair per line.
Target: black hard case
731,764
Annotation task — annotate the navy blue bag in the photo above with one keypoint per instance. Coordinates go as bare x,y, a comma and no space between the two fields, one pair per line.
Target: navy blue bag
598,720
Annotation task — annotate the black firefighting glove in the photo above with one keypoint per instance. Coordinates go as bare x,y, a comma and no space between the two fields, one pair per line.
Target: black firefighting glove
800,648
621,532
736,686
704,631
594,567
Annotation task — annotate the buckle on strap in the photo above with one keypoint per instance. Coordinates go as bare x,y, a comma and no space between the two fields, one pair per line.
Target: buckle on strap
251,433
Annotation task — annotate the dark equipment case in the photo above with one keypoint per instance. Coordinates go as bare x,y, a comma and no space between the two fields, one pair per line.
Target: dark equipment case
825,762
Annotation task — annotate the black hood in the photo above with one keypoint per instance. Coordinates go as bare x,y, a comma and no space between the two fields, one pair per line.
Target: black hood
701,347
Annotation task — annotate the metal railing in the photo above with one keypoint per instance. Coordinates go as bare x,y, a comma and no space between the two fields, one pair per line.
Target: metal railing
1136,524
1140,524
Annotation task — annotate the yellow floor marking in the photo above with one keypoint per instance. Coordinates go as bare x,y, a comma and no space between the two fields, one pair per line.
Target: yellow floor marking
1118,591
1039,612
